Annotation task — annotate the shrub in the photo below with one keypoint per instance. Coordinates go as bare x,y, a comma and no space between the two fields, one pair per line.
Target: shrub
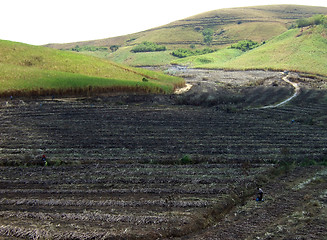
183,52
207,35
317,19
148,47
114,48
308,162
77,48
245,45
186,159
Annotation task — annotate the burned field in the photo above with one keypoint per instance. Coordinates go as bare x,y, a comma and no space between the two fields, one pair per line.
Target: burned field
114,200
148,169
97,133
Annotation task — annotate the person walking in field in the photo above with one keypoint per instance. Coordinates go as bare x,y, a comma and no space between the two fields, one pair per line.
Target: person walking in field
44,159
259,195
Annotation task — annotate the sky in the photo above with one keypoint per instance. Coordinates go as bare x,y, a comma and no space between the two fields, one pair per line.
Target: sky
39,22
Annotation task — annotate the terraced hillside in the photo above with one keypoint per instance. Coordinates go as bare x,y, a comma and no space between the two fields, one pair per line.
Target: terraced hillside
231,25
216,30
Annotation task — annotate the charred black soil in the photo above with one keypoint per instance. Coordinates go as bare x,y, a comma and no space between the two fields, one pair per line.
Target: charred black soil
164,166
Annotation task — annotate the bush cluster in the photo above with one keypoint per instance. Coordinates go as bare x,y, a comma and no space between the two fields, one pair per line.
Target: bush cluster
148,47
77,48
186,159
182,52
245,45
207,35
114,48
317,19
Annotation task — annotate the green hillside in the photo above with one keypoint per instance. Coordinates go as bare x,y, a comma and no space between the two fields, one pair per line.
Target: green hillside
230,25
211,60
302,50
257,23
124,56
39,70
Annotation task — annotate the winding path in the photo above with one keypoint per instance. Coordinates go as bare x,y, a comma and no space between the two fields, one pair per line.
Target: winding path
184,89
296,92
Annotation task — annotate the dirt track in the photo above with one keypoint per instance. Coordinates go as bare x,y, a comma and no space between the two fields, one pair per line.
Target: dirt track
297,90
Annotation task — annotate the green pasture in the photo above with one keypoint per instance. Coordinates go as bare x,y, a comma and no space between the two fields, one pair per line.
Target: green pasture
125,56
26,67
228,26
211,60
295,50
301,50
16,78
257,23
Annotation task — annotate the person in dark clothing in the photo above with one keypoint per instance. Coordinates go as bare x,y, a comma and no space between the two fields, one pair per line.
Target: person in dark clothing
44,159
259,195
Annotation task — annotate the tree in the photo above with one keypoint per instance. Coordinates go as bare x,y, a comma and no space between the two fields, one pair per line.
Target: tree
114,48
245,45
317,19
76,48
207,35
148,47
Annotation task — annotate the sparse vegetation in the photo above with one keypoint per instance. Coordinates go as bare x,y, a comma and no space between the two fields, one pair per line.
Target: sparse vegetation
77,48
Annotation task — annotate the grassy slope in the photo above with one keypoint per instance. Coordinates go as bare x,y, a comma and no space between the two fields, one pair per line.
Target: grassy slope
26,67
258,23
210,60
124,56
292,50
302,50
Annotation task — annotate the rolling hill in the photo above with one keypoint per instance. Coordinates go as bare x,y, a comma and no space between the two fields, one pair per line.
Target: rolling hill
259,24
35,70
299,49
230,25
